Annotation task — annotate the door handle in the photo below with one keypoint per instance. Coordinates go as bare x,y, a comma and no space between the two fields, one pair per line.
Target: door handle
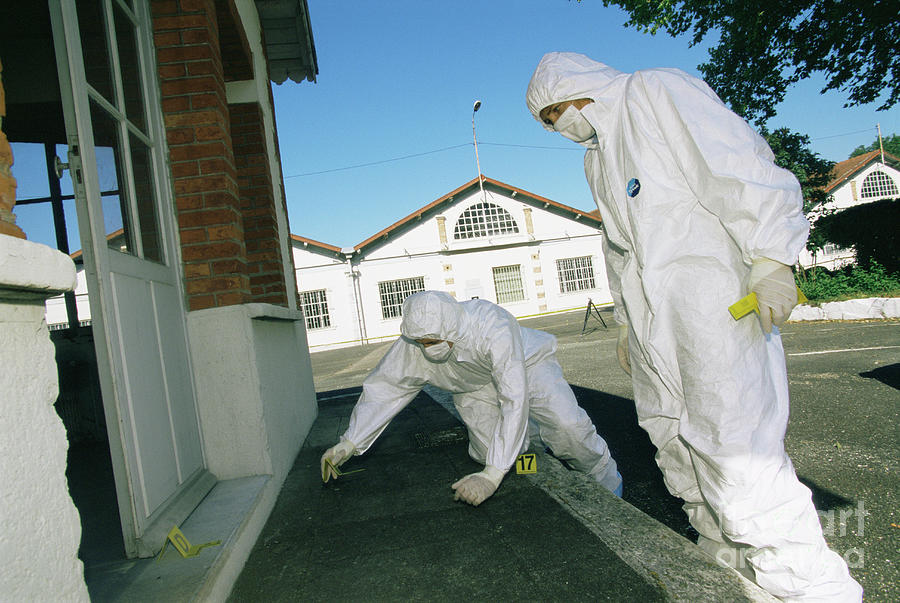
59,167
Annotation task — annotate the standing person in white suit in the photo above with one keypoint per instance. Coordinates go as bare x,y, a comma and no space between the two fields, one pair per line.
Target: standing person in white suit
696,214
501,375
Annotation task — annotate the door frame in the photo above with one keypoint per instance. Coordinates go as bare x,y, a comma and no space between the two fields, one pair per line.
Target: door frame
143,537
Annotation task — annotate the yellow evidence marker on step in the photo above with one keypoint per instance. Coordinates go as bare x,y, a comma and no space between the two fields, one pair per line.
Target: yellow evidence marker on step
749,303
526,463
181,544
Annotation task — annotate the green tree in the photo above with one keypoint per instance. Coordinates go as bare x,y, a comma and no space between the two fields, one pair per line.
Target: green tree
891,145
792,152
766,45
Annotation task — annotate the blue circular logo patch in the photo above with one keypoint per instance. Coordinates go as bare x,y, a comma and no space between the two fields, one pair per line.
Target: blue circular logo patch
633,188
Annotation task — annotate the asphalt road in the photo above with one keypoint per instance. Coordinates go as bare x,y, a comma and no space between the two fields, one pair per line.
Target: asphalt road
843,435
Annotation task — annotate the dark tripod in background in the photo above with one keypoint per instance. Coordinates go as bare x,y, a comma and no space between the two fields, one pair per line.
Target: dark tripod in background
588,314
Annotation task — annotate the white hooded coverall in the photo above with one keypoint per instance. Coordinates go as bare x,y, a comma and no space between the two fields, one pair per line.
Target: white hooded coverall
500,374
690,195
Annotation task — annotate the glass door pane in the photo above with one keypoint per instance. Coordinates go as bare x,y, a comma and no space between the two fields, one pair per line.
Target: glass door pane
115,67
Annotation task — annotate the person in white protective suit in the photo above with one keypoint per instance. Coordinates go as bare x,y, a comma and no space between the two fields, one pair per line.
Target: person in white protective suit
696,214
500,374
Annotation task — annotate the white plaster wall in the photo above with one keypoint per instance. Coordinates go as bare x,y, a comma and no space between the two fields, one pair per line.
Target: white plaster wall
373,272
843,196
464,268
40,531
572,248
314,272
255,393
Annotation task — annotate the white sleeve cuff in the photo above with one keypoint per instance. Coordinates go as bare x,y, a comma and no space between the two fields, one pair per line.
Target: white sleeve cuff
493,474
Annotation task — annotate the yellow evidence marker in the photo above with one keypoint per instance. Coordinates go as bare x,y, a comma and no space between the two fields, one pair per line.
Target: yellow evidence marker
749,303
338,472
181,544
526,463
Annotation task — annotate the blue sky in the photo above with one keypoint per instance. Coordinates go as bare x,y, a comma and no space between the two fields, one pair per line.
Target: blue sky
398,79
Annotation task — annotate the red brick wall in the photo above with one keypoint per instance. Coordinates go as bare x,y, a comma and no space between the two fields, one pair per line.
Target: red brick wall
264,265
7,182
198,133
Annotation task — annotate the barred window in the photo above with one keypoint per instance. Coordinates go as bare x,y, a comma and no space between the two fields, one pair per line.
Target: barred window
878,184
575,274
508,284
315,309
394,292
484,220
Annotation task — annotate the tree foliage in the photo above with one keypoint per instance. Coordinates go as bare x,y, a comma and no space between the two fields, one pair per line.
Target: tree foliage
871,228
891,145
792,152
764,46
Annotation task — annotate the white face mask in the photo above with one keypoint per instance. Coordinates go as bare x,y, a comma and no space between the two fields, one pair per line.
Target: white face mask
437,352
573,125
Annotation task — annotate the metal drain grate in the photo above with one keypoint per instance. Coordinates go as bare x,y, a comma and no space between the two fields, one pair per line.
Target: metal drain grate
445,437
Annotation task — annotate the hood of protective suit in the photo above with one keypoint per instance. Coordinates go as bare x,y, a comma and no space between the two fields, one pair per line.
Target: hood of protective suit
433,315
563,76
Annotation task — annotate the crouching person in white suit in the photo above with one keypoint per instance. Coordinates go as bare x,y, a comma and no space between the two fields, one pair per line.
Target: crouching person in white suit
500,374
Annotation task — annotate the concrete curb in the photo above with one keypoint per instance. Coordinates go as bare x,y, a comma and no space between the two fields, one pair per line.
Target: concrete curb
663,558
853,309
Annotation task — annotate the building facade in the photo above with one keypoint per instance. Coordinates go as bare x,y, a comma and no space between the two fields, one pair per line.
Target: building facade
862,179
149,126
527,253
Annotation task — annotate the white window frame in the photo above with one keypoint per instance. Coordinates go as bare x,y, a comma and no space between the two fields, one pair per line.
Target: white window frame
391,294
508,285
878,185
575,274
315,309
484,219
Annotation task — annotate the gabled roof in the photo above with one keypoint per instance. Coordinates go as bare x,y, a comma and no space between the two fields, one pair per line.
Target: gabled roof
489,183
849,168
318,245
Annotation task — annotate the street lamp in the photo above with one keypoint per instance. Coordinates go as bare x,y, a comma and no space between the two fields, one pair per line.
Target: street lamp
475,108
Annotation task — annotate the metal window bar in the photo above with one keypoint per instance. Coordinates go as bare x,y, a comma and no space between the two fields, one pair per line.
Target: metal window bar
508,284
484,220
878,184
392,294
575,274
315,309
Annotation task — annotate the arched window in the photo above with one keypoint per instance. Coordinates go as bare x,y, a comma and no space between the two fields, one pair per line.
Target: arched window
878,184
484,220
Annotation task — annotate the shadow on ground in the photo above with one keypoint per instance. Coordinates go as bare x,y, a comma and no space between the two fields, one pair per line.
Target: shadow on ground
889,375
393,532
616,421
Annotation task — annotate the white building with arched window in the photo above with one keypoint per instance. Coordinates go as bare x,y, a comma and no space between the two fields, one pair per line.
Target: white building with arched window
858,180
527,253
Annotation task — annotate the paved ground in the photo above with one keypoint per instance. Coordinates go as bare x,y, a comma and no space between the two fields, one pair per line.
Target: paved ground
842,436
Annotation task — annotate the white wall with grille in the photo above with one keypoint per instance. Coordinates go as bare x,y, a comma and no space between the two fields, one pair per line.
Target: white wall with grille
465,266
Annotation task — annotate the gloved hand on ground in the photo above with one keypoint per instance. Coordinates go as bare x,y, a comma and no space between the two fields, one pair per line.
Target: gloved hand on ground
475,488
622,349
334,457
776,291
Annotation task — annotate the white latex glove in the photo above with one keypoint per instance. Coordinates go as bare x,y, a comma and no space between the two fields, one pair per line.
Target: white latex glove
776,291
337,455
622,349
475,488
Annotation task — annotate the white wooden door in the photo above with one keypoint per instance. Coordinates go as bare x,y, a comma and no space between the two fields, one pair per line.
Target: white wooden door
116,155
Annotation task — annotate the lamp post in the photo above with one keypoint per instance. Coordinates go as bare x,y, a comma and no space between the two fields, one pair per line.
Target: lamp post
475,108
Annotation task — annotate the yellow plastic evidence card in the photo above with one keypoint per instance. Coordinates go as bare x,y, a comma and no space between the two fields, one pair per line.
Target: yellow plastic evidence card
183,546
749,303
744,306
526,463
